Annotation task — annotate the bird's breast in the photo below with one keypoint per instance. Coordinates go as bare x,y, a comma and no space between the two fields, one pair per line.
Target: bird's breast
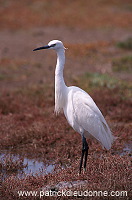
69,114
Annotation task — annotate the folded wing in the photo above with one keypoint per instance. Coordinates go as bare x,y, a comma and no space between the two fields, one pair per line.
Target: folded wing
90,118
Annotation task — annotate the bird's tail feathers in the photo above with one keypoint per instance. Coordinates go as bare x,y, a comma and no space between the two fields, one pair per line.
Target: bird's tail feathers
106,137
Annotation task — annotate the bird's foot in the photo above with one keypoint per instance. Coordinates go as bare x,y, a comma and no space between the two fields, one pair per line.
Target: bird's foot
84,170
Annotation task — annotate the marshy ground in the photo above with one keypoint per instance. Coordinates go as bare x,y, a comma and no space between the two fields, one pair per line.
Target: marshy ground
98,60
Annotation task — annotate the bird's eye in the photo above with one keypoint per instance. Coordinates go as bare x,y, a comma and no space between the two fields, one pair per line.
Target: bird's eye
52,45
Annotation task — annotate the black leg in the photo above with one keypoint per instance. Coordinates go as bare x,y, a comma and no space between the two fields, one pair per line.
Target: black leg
86,155
84,152
81,161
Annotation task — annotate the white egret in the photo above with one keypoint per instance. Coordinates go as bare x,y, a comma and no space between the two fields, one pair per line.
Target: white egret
79,108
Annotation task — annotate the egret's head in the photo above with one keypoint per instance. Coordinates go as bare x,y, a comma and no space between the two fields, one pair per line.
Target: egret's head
54,44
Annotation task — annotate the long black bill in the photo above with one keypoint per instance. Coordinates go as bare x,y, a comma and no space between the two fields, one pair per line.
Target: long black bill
40,48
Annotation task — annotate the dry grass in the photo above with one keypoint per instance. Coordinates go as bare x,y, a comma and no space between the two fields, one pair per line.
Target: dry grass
113,172
29,126
123,64
11,164
26,127
88,49
29,13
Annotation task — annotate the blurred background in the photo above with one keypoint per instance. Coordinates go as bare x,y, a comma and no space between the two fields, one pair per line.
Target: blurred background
98,35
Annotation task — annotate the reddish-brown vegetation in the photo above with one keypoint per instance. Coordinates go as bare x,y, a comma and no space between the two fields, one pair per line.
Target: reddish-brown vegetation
27,14
28,125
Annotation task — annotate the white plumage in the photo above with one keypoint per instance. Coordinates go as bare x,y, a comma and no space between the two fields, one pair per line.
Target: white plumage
85,117
79,108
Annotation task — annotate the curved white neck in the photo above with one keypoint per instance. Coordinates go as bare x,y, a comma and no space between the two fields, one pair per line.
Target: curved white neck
60,87
60,62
